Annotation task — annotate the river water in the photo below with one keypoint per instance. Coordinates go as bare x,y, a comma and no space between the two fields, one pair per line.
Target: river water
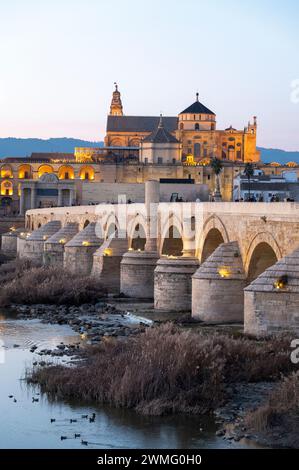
27,424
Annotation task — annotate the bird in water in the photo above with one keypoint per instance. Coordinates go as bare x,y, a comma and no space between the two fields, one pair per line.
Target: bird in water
77,435
10,396
52,420
63,438
84,416
14,400
73,420
35,400
84,443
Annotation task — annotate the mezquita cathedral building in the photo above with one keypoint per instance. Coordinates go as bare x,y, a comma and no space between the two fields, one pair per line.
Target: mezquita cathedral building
193,133
175,150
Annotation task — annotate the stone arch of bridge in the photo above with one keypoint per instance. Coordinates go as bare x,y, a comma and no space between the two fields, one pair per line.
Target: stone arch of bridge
172,240
263,252
212,235
137,232
110,225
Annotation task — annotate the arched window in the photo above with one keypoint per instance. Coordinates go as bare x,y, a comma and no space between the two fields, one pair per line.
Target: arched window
6,171
116,143
197,126
134,142
44,169
197,150
182,126
87,173
6,188
66,172
24,172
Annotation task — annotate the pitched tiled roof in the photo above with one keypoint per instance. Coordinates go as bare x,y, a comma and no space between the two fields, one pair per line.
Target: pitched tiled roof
225,259
287,266
139,123
197,108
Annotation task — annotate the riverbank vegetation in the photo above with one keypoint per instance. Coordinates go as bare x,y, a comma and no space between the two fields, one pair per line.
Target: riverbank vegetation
26,282
166,370
277,420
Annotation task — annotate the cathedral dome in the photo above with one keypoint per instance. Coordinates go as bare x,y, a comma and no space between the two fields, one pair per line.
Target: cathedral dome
197,108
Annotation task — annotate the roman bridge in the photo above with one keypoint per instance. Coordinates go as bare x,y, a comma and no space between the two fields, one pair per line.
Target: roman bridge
229,262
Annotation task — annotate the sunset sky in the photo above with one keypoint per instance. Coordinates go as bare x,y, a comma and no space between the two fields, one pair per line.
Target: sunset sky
59,59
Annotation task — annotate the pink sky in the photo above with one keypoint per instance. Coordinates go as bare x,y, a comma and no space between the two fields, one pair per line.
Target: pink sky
59,60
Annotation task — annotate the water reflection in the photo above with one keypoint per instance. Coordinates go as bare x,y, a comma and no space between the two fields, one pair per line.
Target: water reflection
26,424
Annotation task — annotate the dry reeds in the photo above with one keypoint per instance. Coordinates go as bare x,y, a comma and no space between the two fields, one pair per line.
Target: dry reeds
165,370
25,283
283,400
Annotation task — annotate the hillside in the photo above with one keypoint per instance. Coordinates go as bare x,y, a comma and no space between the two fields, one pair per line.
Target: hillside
13,147
279,156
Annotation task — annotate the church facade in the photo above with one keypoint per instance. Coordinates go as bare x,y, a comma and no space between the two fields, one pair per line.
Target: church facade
195,129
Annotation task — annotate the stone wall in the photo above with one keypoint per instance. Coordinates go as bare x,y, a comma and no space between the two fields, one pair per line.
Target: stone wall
218,301
53,254
107,268
111,192
137,274
268,313
217,286
33,250
272,300
9,240
173,284
79,259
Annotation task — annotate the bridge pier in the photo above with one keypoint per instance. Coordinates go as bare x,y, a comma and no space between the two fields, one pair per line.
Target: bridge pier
54,246
217,286
137,274
271,303
106,262
172,283
137,267
9,241
78,252
33,246
21,240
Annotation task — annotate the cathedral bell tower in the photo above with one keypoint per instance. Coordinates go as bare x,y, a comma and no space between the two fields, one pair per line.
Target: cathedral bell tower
116,108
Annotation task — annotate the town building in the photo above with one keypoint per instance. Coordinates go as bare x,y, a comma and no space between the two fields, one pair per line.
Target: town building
267,188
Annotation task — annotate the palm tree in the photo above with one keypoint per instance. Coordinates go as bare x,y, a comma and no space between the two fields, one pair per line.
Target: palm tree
249,172
216,165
